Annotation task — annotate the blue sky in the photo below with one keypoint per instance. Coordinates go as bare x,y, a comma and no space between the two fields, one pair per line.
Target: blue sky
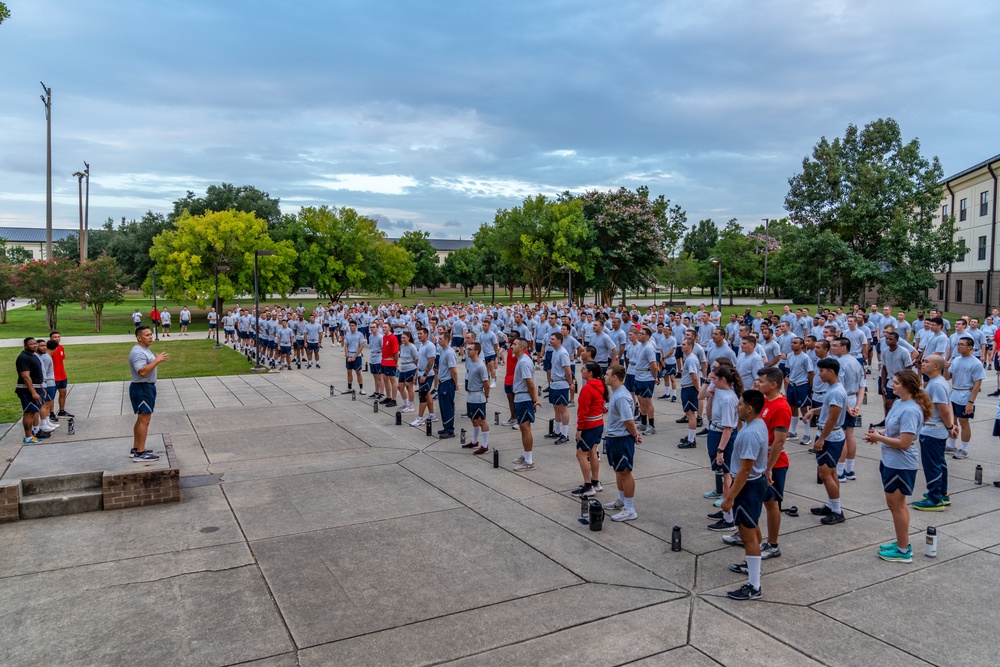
432,115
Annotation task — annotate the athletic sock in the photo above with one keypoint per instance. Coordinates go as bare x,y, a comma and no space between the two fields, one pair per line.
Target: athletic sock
753,571
628,504
840,468
805,429
651,422
621,496
965,446
642,420
527,458
475,434
849,465
951,442
691,435
835,505
485,442
728,516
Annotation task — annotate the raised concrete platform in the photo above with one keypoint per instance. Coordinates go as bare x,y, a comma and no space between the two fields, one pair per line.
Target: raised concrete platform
315,532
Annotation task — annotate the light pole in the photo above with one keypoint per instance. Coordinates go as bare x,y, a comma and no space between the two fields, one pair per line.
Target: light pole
767,249
86,214
218,268
79,183
47,101
256,305
493,286
156,327
569,294
718,263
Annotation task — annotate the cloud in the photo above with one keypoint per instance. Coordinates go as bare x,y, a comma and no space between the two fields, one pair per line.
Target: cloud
386,185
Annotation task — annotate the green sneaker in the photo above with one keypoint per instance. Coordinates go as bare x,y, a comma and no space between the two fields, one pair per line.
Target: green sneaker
888,546
926,505
712,495
944,501
897,556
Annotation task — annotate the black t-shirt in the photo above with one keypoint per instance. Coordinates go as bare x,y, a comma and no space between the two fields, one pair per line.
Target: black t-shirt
26,361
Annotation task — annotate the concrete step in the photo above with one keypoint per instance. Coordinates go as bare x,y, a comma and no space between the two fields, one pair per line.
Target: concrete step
35,486
62,502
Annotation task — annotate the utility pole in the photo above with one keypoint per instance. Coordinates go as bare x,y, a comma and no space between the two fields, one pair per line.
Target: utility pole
47,101
79,182
767,249
86,216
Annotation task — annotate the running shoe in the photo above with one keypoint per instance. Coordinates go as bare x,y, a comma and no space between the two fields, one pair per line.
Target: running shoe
806,440
734,540
519,459
739,567
716,515
625,515
702,432
894,555
481,450
145,457
850,476
419,421
682,420
717,503
822,511
406,408
664,397
745,592
832,518
510,422
561,440
585,490
524,467
711,495
30,441
944,501
842,477
887,546
361,391
650,431
614,505
598,487
768,550
722,526
470,445
926,505
960,454
950,449
63,413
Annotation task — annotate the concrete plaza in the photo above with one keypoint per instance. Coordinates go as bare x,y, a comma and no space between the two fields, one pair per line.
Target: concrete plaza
313,531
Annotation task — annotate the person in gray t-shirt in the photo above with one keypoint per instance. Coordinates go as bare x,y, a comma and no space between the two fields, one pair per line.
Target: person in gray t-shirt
142,391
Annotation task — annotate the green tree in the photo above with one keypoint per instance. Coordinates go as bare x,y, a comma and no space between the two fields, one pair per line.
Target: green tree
4,15
15,254
131,244
701,239
488,243
740,266
341,250
879,195
290,229
99,282
98,242
427,273
393,267
680,272
462,267
632,234
49,283
809,264
226,197
185,257
8,287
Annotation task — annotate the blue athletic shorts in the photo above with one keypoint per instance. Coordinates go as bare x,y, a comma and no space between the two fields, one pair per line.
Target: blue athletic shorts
389,371
960,412
798,395
630,383
830,453
143,397
353,365
689,399
312,347
559,396
27,403
713,441
407,376
524,411
490,359
644,388
547,362
375,368
749,502
50,393
894,479
284,349
508,389
590,438
621,452
62,384
776,491
476,410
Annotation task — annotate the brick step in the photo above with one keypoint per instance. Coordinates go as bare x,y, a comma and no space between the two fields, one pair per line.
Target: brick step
60,503
36,486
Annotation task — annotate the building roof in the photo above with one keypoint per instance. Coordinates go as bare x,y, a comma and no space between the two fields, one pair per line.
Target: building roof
965,172
33,234
444,245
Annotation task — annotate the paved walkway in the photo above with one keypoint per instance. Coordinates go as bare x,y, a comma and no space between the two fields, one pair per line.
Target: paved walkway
313,531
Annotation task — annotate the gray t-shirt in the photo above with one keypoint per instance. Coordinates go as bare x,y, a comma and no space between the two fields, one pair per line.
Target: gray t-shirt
965,371
425,359
903,417
937,389
751,444
747,366
48,370
523,371
621,410
835,396
476,376
446,361
408,357
799,367
725,413
560,360
690,366
138,358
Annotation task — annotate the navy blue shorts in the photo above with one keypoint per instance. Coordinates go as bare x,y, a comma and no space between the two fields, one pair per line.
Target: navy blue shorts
644,388
798,395
689,399
364,331
185,323
375,368
272,345
426,385
851,422
27,403
62,384
456,341
490,359
508,389
749,502
284,349
407,376
589,438
830,453
389,371
621,452
538,347
299,344
476,410
524,411
353,365
670,369
312,347
776,491
960,412
50,393
784,370
559,396
143,397
630,383
212,326
894,479
547,362
714,439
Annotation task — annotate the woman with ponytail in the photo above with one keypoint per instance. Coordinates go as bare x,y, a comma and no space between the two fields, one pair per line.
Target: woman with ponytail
590,427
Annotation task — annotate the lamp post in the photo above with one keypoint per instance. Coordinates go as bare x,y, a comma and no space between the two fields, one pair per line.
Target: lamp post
718,263
256,303
79,183
218,268
767,249
493,287
86,214
156,327
569,293
47,101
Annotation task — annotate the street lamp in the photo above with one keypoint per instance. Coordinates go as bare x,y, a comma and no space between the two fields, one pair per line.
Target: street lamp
718,263
569,293
156,326
256,306
86,213
47,101
79,183
219,268
767,249
493,287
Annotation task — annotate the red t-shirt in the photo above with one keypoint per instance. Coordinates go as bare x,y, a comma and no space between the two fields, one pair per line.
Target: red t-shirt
508,376
777,414
390,348
58,357
996,340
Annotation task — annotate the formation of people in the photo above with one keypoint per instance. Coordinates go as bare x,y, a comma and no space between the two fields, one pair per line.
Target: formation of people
41,385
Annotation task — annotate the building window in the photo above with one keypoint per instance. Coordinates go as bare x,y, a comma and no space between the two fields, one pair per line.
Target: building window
963,250
940,290
982,247
944,211
979,291
963,210
958,290
984,205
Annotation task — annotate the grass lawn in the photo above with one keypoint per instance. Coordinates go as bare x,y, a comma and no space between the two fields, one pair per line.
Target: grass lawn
108,362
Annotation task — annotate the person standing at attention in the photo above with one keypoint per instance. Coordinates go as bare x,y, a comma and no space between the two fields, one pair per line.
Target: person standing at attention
142,391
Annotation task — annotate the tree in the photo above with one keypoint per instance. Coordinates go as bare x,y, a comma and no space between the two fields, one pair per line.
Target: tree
185,257
227,197
740,265
341,248
14,254
131,243
879,196
701,239
49,283
680,272
425,260
99,282
462,267
393,267
4,15
98,242
488,243
8,287
810,263
632,233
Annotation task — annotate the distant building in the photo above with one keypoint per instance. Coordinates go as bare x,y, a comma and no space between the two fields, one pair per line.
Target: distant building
32,239
971,285
444,247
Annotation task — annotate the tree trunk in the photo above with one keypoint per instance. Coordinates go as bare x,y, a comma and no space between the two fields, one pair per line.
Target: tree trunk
98,317
50,317
3,312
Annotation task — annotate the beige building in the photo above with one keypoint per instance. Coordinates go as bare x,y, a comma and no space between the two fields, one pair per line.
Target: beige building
971,285
32,239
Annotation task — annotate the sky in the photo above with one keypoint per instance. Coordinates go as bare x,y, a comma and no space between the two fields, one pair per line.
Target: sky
434,115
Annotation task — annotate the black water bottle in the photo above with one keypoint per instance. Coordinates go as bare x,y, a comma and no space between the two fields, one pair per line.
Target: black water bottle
462,436
71,427
354,395
596,515
675,539
496,458
552,426
332,392
375,407
979,475
399,418
496,418
429,427
584,506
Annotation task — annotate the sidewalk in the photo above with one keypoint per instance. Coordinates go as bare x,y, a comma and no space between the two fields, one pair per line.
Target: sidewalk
314,531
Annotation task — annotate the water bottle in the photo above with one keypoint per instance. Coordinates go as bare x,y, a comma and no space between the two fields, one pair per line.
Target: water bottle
496,418
375,407
399,418
354,395
584,507
71,427
332,392
496,458
462,436
596,512
366,367
979,475
930,542
675,539
429,427
552,426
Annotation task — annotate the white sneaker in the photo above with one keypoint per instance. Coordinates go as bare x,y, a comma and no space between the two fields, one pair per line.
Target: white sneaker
625,515
361,391
519,459
51,424
493,383
432,418
510,422
45,426
615,505
406,408
419,421
649,430
806,440
524,467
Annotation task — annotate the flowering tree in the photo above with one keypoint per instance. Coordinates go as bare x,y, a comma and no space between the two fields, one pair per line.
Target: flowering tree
7,287
634,237
48,283
99,282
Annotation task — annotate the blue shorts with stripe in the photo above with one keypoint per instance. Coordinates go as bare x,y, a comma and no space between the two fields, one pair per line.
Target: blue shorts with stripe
621,452
894,479
143,397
